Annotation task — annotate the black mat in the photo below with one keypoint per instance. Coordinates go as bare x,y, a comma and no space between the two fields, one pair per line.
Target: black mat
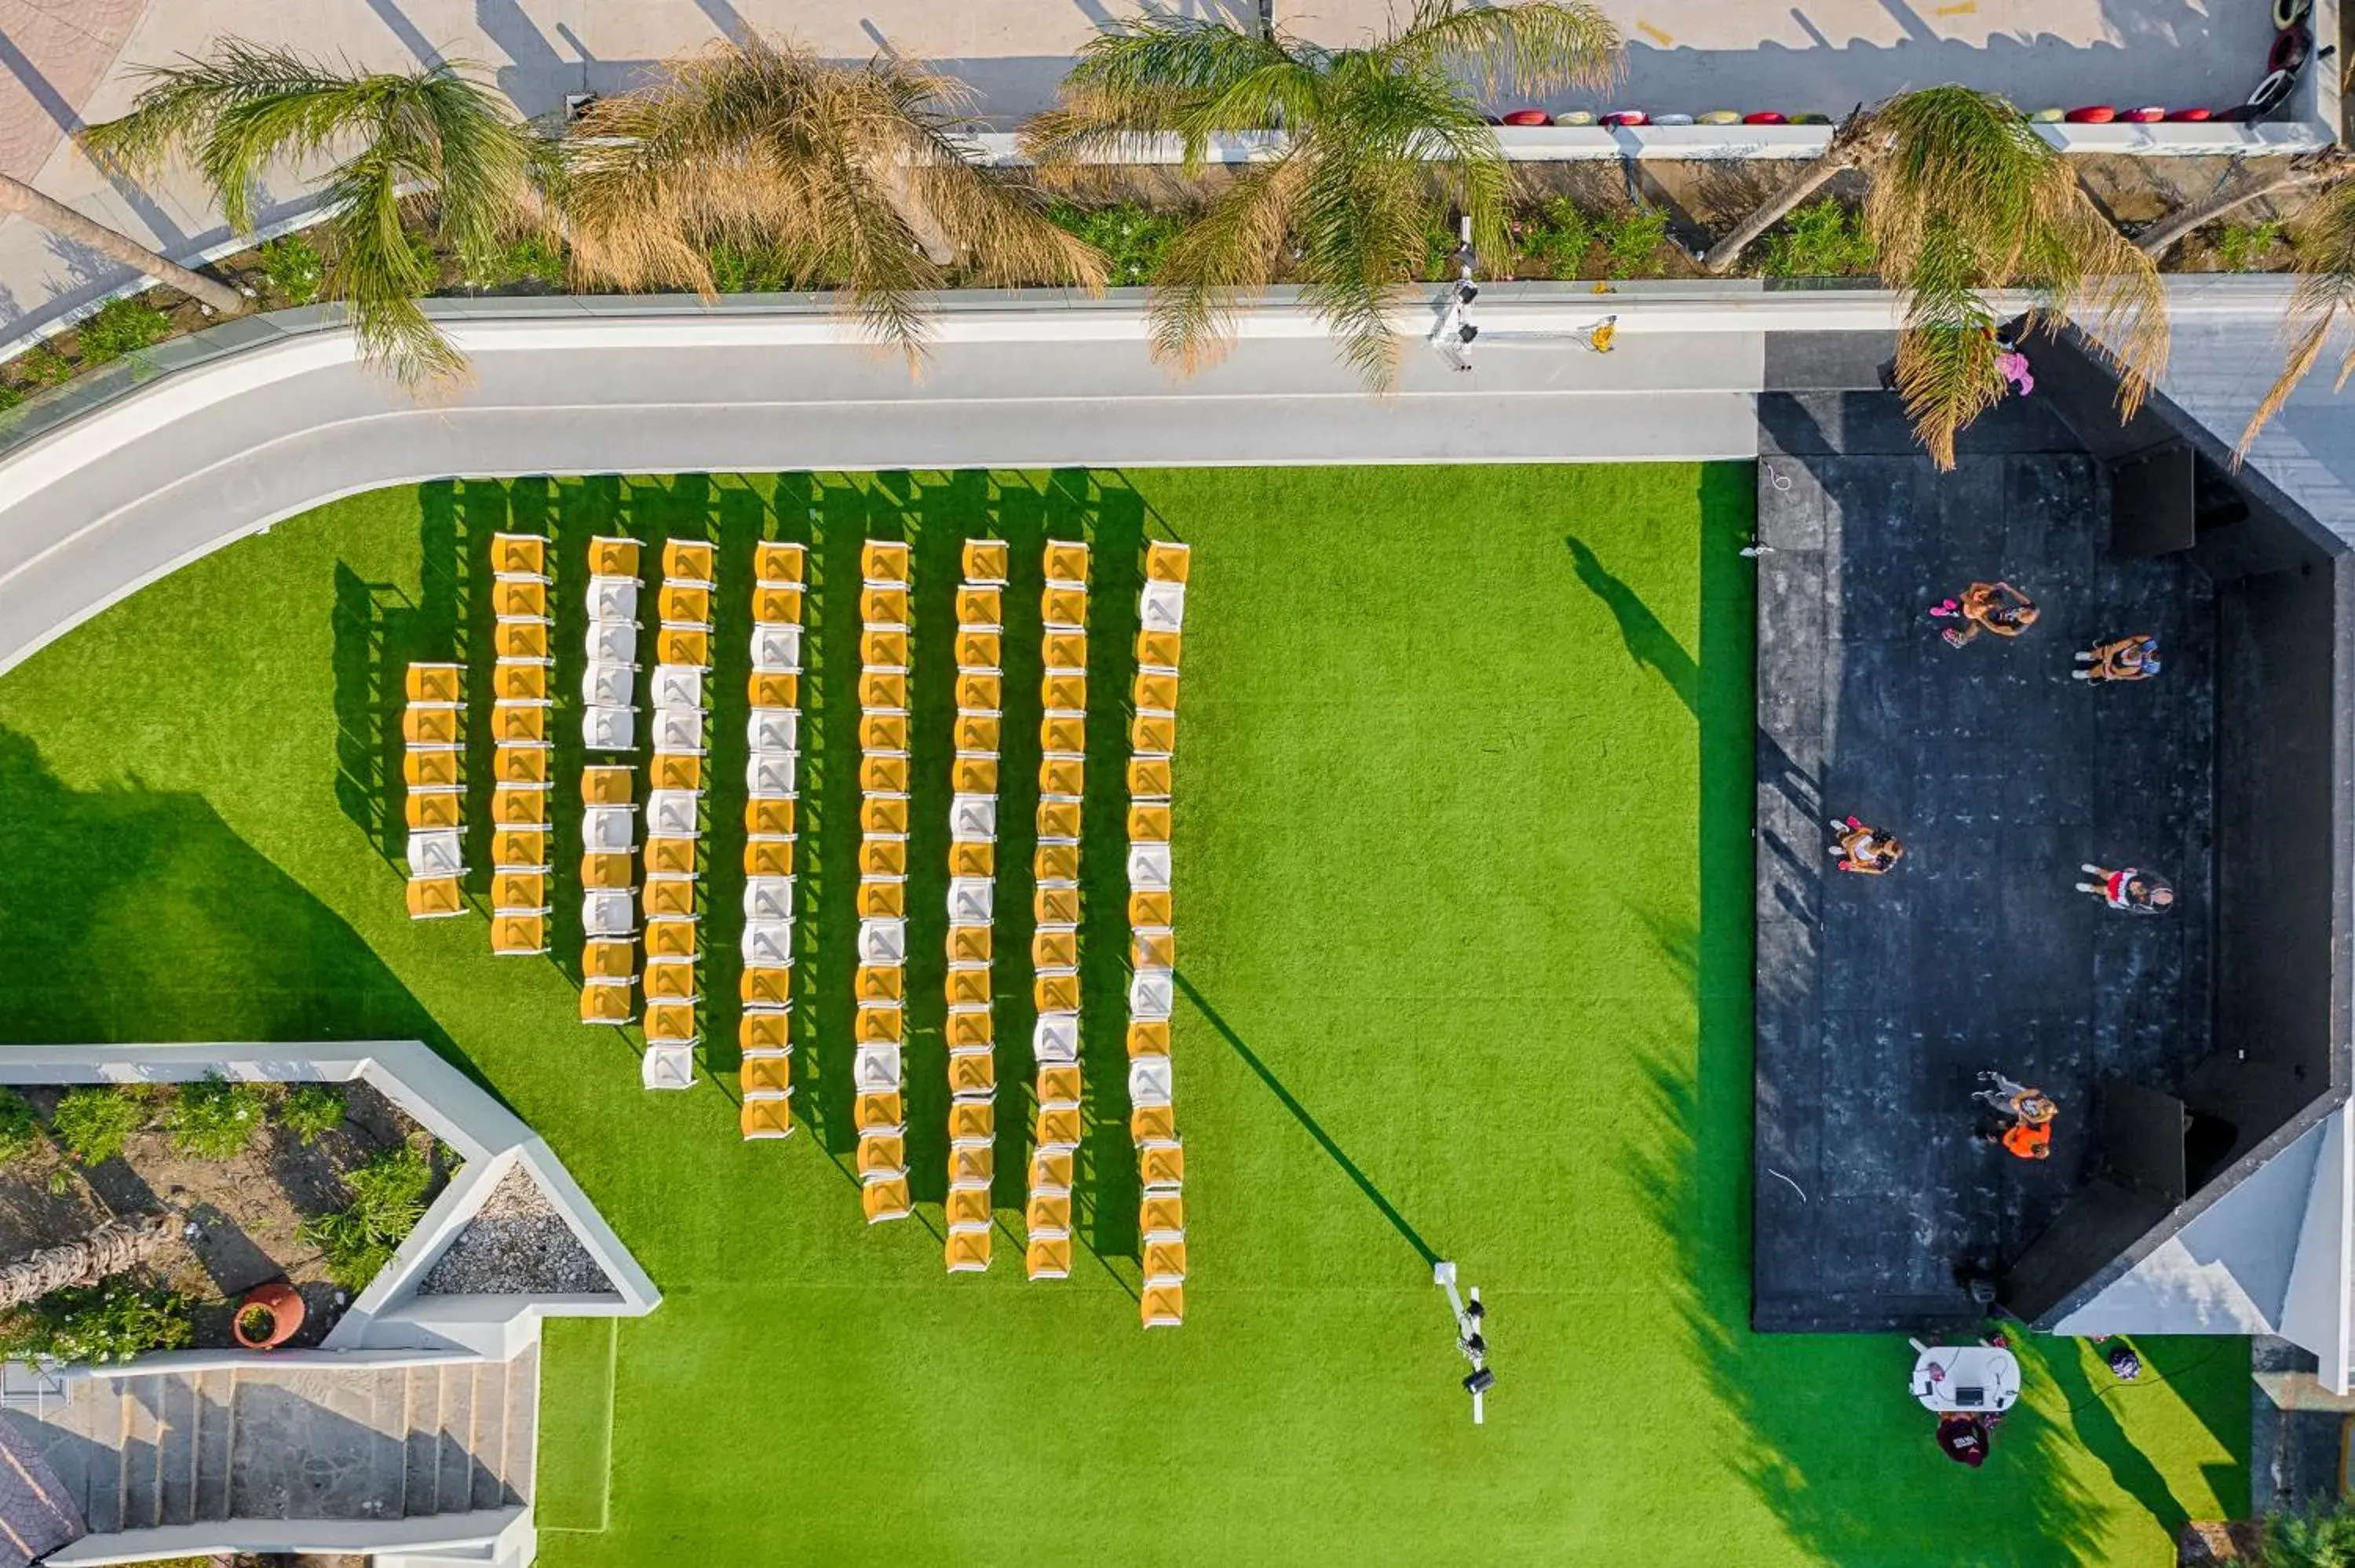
1879,999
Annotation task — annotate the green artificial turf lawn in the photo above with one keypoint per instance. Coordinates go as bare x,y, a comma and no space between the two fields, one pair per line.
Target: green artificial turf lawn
1462,909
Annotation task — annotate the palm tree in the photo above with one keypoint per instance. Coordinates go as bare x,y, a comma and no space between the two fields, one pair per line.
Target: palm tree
1378,144
116,1247
2318,170
854,177
217,298
1966,197
2324,294
434,134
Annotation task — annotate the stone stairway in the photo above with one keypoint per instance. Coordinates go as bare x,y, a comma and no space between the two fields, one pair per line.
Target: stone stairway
292,1442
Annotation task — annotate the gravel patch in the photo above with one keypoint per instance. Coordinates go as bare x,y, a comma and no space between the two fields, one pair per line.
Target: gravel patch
517,1244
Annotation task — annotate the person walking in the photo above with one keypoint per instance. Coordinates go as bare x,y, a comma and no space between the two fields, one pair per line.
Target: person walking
1997,608
2134,658
1867,851
2131,890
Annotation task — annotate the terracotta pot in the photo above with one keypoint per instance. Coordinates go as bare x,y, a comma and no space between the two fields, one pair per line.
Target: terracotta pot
284,1305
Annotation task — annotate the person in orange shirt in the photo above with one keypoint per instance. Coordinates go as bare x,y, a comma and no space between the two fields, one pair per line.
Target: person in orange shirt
2029,1140
2030,1136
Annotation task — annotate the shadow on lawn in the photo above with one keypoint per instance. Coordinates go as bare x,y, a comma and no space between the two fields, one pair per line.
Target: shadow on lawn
1300,1114
132,916
1851,1480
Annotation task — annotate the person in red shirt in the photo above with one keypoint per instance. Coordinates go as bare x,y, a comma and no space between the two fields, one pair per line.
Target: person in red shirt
2135,891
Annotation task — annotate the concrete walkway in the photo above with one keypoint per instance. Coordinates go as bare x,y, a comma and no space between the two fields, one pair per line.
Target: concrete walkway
92,509
67,63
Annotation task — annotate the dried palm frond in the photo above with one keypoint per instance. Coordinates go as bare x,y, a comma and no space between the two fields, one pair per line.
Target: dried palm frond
853,176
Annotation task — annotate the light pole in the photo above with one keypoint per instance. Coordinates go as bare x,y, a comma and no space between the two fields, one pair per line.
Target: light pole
1470,1319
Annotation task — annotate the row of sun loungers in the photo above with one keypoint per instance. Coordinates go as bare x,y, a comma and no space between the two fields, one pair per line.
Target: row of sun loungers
881,976
771,797
1153,950
520,753
609,827
432,769
675,814
1055,936
973,869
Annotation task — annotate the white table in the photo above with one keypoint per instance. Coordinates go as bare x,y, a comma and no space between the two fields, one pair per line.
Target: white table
1965,1377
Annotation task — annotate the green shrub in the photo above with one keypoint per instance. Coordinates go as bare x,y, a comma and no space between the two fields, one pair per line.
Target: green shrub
1559,237
119,327
2248,246
41,366
530,259
10,395
214,1118
95,1120
749,268
99,1323
388,1199
295,269
1132,238
1631,242
310,1111
1820,239
20,1127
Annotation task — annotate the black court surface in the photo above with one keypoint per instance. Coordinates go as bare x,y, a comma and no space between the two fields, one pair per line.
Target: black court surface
1879,999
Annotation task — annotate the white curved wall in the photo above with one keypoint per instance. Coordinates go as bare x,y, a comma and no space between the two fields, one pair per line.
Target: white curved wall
141,485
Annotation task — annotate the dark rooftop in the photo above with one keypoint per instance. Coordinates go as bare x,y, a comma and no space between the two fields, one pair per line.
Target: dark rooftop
1878,1000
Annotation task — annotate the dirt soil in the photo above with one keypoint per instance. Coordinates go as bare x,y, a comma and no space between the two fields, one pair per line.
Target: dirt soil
241,1217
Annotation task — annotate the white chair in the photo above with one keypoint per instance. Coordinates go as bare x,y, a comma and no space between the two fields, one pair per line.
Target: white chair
614,643
973,819
774,730
777,647
1161,606
1148,867
608,685
607,828
678,686
767,898
970,900
1149,1081
1055,1040
769,775
437,851
670,1067
769,943
1151,995
882,942
671,813
613,599
679,730
877,1070
609,729
610,912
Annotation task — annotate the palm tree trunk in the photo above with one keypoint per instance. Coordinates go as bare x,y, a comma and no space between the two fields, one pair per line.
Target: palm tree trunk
901,192
2293,173
1835,158
218,298
116,1247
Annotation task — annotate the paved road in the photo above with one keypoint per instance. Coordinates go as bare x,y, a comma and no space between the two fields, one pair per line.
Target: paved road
64,62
